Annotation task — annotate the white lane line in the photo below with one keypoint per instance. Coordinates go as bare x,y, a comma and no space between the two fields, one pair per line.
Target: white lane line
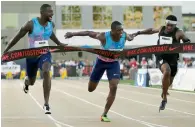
149,104
130,91
81,99
22,117
78,87
35,117
173,117
156,96
56,122
190,93
58,125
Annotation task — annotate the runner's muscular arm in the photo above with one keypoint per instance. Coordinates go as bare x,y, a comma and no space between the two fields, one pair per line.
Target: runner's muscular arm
21,33
147,31
181,36
95,35
55,39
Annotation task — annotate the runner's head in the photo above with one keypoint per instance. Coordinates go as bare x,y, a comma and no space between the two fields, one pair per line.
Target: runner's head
116,29
46,12
171,22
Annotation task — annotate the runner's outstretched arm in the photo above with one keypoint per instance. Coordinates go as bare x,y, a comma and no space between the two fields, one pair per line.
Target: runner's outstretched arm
147,31
95,35
21,33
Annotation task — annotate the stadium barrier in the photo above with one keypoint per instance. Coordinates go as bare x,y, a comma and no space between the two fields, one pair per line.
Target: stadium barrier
184,79
10,71
15,72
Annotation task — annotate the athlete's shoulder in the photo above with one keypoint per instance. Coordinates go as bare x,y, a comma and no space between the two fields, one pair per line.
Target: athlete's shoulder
162,28
30,22
28,25
178,29
102,35
35,20
107,33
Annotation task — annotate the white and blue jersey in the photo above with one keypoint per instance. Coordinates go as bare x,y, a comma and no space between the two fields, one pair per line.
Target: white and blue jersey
40,35
38,38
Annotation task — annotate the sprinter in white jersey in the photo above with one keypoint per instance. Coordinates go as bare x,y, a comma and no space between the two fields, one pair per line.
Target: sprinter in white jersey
40,30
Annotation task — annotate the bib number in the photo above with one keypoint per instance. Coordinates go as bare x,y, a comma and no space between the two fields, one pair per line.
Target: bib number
165,40
41,43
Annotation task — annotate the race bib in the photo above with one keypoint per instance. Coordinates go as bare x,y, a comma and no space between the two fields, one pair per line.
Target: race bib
41,43
165,40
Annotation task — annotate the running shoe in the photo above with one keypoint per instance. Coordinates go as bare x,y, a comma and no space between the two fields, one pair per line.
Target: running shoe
46,108
25,87
162,105
104,118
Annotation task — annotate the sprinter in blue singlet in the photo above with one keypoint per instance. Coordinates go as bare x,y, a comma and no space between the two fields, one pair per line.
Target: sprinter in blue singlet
40,30
111,40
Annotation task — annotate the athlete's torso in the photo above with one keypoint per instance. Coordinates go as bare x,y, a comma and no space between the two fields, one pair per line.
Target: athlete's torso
168,38
40,35
112,45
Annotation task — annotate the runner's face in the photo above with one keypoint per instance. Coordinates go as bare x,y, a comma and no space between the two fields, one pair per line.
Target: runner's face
118,32
170,27
48,13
